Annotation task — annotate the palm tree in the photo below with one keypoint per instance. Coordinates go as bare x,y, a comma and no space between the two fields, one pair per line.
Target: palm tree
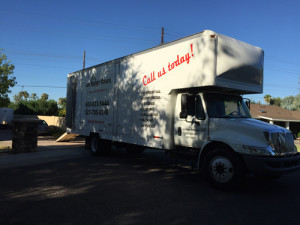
267,99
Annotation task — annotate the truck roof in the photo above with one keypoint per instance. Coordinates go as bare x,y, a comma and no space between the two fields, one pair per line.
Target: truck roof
218,61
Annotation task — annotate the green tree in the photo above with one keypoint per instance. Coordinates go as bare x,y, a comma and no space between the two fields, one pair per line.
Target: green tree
51,108
62,103
33,105
44,97
6,79
33,97
22,95
288,103
4,101
25,95
297,102
24,108
275,101
267,99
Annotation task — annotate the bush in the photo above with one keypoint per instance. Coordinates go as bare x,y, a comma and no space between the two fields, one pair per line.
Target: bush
56,131
37,107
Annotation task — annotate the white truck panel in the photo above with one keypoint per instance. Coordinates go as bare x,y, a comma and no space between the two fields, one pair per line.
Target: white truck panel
132,99
239,65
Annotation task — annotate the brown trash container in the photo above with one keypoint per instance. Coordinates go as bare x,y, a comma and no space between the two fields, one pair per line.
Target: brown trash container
24,135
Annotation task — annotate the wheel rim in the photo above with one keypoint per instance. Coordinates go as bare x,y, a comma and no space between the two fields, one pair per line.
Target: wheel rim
221,169
94,145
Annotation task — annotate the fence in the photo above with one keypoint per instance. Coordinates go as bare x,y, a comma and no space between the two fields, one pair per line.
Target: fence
50,120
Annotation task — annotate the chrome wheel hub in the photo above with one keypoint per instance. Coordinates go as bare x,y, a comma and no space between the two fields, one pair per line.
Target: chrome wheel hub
221,169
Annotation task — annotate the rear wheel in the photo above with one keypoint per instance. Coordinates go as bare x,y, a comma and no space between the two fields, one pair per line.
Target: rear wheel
98,146
223,168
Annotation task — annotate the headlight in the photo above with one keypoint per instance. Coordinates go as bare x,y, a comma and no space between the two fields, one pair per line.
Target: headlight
268,139
258,150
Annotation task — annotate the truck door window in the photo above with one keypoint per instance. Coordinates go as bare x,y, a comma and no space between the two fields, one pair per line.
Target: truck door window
187,106
191,105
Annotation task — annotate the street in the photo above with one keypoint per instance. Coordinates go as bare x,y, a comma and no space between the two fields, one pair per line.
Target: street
136,189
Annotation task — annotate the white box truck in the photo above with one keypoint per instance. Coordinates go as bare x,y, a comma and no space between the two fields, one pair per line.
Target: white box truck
184,97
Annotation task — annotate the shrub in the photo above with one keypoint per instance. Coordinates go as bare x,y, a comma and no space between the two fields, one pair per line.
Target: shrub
56,131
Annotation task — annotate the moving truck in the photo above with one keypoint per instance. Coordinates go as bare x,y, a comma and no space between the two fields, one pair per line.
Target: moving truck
184,97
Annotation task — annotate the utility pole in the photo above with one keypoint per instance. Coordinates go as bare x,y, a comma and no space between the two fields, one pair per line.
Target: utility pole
83,60
162,35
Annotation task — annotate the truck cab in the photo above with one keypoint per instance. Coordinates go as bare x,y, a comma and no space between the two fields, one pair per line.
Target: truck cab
231,143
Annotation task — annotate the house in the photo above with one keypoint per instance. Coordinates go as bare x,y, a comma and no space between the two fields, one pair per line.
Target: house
276,115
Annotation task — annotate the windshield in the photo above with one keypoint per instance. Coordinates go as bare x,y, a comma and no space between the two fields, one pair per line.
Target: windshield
226,106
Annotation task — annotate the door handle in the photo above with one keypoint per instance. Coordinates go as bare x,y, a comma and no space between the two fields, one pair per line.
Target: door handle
179,131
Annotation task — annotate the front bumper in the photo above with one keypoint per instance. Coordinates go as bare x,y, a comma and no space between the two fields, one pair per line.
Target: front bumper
272,165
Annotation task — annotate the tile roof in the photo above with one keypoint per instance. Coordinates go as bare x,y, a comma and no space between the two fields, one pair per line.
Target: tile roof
273,112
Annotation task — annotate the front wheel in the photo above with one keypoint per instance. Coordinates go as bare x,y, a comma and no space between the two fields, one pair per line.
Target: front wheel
223,168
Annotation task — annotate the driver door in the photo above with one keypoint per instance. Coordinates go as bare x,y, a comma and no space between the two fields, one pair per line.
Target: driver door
190,124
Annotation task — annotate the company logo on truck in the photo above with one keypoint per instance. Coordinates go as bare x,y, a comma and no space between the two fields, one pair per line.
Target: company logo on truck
94,82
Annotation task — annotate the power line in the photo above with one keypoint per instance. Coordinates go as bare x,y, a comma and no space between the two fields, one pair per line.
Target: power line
86,35
44,55
280,69
174,33
36,65
39,86
92,23
50,56
88,22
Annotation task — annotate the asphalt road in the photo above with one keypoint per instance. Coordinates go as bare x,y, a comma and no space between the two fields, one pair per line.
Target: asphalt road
145,189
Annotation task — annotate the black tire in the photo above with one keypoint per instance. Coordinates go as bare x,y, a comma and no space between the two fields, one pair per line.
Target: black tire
223,168
98,146
87,144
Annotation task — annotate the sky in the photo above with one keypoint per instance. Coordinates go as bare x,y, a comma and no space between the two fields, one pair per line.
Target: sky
46,39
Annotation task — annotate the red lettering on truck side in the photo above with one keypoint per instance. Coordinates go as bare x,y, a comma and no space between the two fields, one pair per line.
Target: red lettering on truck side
148,80
171,66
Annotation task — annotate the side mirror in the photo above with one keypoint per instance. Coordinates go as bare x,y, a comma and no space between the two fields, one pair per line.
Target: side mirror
247,102
189,119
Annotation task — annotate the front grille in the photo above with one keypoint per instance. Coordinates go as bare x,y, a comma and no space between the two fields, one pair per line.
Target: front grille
283,142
